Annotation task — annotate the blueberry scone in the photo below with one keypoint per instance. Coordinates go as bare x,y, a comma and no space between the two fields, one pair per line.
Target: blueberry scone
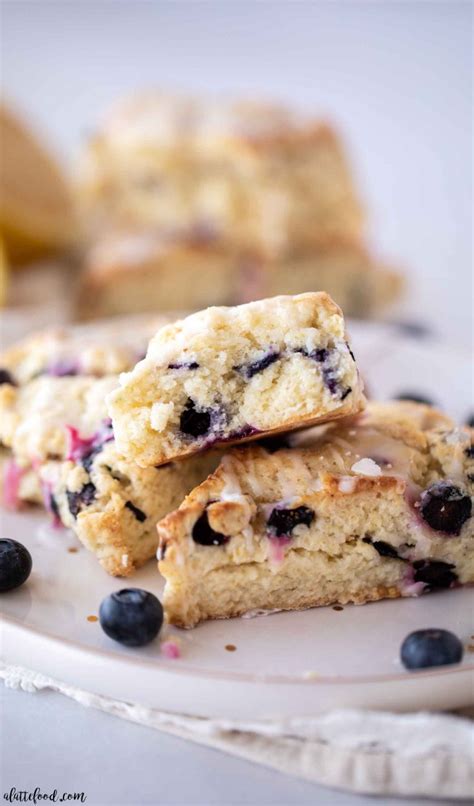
105,347
144,271
228,375
113,506
376,508
49,418
257,175
133,272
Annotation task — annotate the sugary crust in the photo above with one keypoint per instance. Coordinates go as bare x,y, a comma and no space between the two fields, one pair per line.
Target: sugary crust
361,479
216,343
105,347
34,417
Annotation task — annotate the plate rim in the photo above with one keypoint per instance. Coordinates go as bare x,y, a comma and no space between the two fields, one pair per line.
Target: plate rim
242,677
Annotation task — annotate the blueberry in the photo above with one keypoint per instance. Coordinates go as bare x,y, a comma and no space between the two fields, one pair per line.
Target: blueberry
330,374
283,521
131,616
89,457
414,329
184,365
15,564
445,508
241,433
470,421
205,535
434,573
6,377
83,498
249,370
383,548
319,355
414,397
470,452
63,369
139,514
193,421
424,648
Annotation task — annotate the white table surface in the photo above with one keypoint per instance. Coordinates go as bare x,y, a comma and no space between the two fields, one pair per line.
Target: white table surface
50,742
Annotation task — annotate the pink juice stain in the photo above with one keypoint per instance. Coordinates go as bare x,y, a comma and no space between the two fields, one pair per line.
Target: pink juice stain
11,484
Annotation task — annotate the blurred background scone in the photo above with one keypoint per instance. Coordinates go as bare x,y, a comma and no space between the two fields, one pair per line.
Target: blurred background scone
181,202
187,203
252,174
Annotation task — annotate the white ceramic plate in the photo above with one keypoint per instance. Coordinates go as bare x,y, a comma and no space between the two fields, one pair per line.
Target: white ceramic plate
286,664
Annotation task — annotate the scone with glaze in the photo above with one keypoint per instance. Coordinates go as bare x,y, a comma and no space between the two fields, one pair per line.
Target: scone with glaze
112,505
379,507
227,375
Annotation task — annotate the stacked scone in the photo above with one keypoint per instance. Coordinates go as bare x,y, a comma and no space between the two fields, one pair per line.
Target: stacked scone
54,424
188,204
314,497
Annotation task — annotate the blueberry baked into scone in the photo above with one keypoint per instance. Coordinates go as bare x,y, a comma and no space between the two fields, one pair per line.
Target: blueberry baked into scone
377,507
227,375
113,506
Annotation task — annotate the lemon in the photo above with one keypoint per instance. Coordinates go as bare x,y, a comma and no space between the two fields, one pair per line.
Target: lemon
36,208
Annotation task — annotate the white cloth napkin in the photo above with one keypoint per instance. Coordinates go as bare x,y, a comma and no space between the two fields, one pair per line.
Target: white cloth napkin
358,751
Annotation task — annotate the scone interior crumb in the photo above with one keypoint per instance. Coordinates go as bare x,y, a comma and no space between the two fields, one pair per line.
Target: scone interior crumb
231,373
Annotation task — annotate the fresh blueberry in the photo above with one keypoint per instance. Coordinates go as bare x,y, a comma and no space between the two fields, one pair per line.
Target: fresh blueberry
193,421
424,648
445,508
139,514
84,497
6,377
434,573
131,616
383,548
15,564
414,397
470,452
205,535
414,329
470,421
249,370
283,521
